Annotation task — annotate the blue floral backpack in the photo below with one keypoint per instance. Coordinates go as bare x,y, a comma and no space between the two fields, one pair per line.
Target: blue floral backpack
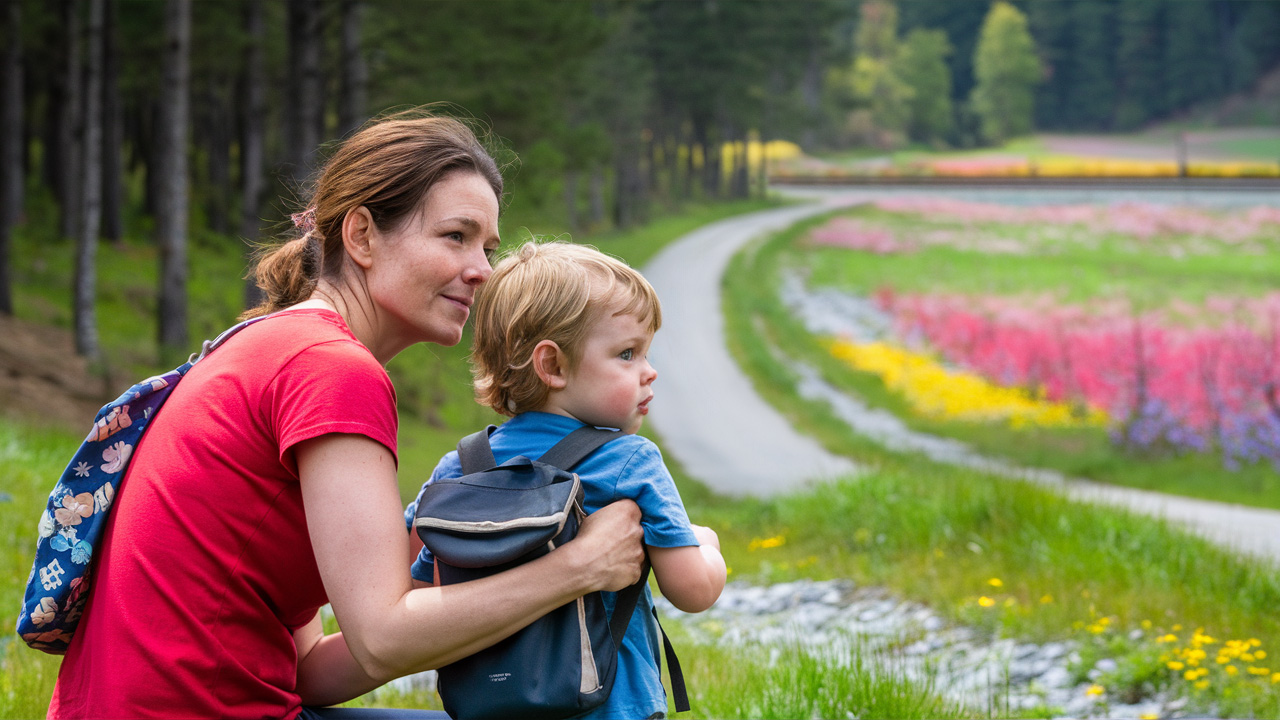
72,523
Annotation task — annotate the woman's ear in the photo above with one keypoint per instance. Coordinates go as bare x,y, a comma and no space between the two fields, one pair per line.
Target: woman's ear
357,236
551,365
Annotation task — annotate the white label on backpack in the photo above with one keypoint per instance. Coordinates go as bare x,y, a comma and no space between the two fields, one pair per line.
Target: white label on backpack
499,677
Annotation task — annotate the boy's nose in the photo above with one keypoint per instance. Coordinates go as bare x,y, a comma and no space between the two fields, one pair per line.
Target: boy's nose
652,373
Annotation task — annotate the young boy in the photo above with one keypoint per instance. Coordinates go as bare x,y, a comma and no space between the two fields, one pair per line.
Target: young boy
561,336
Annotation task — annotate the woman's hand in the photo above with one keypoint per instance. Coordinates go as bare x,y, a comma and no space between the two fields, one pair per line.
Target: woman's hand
610,542
356,523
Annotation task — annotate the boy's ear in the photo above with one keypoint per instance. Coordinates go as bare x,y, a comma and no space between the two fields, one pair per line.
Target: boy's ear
357,236
550,363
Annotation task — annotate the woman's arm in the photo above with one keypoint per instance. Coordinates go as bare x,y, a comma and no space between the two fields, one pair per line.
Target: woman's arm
389,629
691,577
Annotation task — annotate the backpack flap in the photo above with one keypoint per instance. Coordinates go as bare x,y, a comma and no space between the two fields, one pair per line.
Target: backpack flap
497,516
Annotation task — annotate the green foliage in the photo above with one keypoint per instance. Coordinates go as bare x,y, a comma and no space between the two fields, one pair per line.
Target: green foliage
921,64
1007,71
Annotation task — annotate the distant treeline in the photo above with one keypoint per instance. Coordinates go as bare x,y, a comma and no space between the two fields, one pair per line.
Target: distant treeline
207,112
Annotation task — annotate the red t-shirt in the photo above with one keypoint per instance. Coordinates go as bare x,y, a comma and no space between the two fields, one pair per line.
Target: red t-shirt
206,568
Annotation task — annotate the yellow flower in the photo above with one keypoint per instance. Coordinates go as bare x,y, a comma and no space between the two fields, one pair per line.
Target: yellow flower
1232,670
1260,654
1275,677
1148,716
766,543
1046,599
1146,624
1203,684
1167,638
935,391
1175,665
1259,671
1095,690
1177,628
1191,675
995,582
986,602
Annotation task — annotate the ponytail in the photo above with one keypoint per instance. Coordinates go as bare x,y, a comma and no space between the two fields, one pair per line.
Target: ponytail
287,274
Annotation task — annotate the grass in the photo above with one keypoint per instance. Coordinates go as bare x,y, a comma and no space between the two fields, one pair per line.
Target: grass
1076,274
939,534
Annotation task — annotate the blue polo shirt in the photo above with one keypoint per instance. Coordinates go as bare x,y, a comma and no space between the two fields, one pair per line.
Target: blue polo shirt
629,467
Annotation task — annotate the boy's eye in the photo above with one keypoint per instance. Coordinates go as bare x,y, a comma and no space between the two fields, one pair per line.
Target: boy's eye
626,354
455,236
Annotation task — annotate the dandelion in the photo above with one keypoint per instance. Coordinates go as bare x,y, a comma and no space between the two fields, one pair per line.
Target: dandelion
1095,690
1202,685
1175,665
1146,624
986,602
1259,671
1046,599
995,582
1010,602
1167,638
1260,654
1275,677
1148,716
1232,670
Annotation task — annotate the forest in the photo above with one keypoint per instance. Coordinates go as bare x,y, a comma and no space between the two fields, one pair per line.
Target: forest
149,119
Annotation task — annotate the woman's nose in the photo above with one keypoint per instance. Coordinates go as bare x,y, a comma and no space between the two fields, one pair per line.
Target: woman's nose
478,268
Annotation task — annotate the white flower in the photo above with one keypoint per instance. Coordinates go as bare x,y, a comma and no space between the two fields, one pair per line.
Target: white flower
82,470
46,525
70,534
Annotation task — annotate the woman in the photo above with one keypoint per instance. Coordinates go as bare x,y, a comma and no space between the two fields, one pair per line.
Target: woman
267,485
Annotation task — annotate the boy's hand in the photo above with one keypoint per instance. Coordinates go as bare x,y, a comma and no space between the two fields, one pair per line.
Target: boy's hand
706,536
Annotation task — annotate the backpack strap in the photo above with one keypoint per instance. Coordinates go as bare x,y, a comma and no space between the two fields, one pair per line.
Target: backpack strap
577,445
474,452
624,607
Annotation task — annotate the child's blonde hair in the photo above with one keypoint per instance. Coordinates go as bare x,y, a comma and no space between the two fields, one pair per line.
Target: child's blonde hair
547,291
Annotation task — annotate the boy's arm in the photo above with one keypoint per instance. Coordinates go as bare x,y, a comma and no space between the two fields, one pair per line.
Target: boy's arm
691,577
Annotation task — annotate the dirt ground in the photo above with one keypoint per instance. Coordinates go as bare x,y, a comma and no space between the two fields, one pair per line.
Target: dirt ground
43,381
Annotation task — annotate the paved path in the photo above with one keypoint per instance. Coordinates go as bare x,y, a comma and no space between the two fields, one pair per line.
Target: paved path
713,422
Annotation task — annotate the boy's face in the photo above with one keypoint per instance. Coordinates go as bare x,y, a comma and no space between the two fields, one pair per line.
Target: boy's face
611,383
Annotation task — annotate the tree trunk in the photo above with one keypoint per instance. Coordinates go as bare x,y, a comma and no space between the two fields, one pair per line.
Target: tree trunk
86,285
353,106
11,142
66,179
218,119
252,132
304,114
170,163
112,131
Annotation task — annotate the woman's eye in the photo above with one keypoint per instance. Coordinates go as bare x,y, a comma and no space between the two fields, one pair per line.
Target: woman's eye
626,355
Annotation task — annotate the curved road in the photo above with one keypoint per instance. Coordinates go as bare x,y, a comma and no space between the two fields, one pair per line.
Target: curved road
713,422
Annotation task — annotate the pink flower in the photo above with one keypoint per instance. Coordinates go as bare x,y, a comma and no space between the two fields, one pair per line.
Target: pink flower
74,508
45,613
116,457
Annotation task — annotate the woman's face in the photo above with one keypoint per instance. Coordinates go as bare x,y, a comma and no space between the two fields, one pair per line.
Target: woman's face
424,274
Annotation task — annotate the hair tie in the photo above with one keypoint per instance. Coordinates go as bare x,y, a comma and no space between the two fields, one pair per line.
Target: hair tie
305,220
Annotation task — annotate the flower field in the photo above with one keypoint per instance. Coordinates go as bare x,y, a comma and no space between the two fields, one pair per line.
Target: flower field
1156,324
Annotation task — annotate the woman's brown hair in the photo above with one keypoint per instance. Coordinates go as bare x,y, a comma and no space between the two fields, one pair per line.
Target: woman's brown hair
387,166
